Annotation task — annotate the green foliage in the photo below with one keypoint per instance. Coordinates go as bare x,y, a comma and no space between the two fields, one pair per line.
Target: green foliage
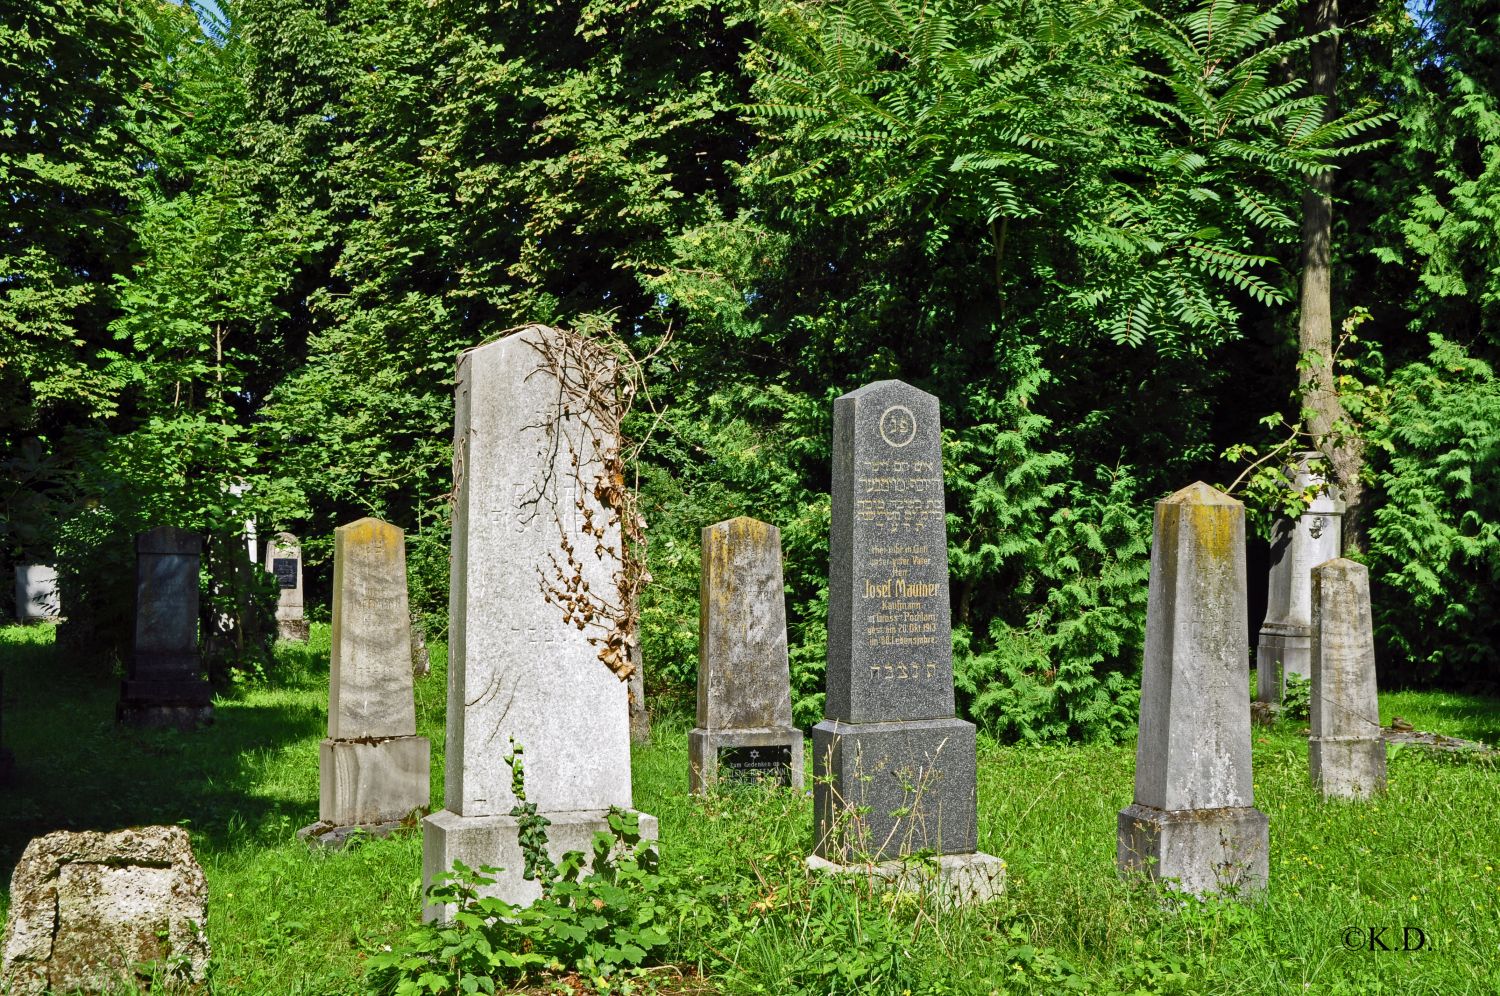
1434,547
603,925
1296,696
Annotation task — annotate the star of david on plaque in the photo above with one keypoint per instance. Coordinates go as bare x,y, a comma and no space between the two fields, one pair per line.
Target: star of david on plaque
898,426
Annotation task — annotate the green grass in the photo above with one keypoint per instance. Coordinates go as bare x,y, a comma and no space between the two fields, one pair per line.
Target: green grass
284,919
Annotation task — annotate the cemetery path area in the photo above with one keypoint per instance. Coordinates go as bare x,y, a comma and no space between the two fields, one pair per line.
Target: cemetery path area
747,919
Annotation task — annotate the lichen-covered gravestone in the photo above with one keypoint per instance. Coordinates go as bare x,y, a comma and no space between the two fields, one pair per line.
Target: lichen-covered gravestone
36,594
1284,645
1346,754
745,729
1194,821
532,542
284,562
373,770
94,911
166,686
894,769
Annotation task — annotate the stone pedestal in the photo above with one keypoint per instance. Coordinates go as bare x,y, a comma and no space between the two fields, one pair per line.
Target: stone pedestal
373,771
526,666
1193,824
1346,755
37,597
894,769
1284,645
1200,851
745,729
165,686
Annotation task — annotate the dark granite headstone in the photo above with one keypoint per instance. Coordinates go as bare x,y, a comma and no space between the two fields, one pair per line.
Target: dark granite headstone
894,769
7,759
166,686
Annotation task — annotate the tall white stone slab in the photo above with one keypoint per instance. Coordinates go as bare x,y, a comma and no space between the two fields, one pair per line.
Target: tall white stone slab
1284,645
1194,821
373,770
36,593
1346,754
525,466
284,562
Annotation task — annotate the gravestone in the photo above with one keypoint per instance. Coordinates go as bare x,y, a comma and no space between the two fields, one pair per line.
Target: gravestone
373,770
1346,754
640,716
166,686
894,770
745,729
284,561
421,660
36,594
1194,821
521,667
1284,645
92,911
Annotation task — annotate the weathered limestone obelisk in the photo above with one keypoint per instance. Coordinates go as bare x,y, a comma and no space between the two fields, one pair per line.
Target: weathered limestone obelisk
284,560
745,729
1285,642
1194,820
373,770
166,686
527,459
894,769
1346,754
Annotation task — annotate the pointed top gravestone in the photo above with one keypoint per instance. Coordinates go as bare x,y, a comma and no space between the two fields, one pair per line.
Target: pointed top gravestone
894,771
1346,754
373,770
527,517
1193,820
744,726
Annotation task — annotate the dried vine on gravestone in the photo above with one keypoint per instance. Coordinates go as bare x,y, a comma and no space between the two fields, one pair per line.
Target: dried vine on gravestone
599,380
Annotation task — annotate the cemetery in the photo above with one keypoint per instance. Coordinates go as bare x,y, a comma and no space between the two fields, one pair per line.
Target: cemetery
824,498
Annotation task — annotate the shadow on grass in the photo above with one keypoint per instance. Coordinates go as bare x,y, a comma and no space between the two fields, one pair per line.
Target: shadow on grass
77,770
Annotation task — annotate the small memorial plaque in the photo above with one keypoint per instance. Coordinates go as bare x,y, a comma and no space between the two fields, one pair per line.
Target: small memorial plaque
749,764
285,569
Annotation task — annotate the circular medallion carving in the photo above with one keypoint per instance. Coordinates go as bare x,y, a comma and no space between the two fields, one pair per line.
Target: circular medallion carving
898,426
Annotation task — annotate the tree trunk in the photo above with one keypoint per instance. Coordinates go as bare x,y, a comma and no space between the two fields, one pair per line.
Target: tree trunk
1326,419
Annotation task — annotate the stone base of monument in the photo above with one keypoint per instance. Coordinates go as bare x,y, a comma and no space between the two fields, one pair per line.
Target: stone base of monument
335,838
952,879
912,786
370,782
166,703
294,630
495,841
1199,851
1347,768
1285,650
768,754
1264,713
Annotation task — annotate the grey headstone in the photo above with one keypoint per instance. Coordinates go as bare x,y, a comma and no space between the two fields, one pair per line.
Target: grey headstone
284,562
894,771
524,497
166,686
640,715
92,911
373,769
744,681
37,594
1284,645
1346,754
1193,821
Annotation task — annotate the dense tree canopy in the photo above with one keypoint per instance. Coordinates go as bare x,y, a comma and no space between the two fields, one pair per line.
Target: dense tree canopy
243,248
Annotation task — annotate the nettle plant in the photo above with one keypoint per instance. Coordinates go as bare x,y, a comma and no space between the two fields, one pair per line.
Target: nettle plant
605,925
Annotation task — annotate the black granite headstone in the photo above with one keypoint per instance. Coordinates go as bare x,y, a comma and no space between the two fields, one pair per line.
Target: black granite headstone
771,763
166,686
285,569
894,770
